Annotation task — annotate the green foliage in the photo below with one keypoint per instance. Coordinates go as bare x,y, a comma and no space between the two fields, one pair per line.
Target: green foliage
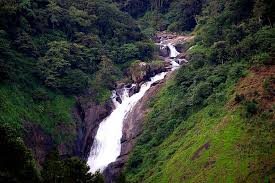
182,14
7,58
193,106
190,91
151,22
71,170
40,106
202,91
145,50
106,74
40,94
262,58
75,82
68,39
17,163
251,108
125,53
134,7
53,50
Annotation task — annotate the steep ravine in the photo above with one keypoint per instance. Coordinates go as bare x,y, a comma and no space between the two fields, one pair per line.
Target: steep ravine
133,119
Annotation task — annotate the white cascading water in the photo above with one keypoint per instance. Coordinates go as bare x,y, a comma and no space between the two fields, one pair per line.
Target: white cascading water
173,54
106,147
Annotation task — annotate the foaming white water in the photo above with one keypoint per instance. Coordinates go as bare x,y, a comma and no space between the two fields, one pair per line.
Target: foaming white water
173,52
106,147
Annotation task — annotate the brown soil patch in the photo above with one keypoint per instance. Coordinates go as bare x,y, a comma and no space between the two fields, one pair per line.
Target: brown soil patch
209,164
198,153
252,87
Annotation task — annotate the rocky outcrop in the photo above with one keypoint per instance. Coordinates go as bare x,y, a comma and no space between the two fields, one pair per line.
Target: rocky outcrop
164,51
41,143
88,115
37,140
134,89
132,128
140,71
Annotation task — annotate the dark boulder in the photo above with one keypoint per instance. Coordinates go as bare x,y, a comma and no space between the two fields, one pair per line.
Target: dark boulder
164,51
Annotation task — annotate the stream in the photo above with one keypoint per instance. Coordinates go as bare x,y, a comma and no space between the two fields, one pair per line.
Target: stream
107,146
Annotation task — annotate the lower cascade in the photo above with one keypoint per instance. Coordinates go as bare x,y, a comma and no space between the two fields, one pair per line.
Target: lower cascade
106,147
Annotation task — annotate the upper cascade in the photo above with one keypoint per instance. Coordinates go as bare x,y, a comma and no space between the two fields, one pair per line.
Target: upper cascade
173,52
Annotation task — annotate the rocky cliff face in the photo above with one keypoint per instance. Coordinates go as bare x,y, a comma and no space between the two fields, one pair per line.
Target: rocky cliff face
88,115
37,140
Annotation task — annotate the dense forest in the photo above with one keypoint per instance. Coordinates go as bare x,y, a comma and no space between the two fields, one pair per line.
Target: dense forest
52,51
212,122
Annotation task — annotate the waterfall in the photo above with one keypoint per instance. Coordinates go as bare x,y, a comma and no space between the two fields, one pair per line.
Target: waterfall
106,147
173,54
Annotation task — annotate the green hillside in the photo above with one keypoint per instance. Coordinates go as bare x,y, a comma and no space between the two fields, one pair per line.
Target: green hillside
214,121
51,53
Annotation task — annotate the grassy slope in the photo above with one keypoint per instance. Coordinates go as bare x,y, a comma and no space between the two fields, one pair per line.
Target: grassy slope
219,143
18,106
237,151
24,99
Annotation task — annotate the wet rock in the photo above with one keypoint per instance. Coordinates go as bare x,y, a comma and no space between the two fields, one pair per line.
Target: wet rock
164,51
128,85
182,55
113,169
181,61
119,93
88,115
157,83
157,67
119,85
134,89
118,99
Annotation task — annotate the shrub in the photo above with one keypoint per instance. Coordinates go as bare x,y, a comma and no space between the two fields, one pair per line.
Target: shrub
215,80
236,71
262,58
126,53
251,108
74,82
70,170
17,163
197,60
40,94
202,91
145,50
